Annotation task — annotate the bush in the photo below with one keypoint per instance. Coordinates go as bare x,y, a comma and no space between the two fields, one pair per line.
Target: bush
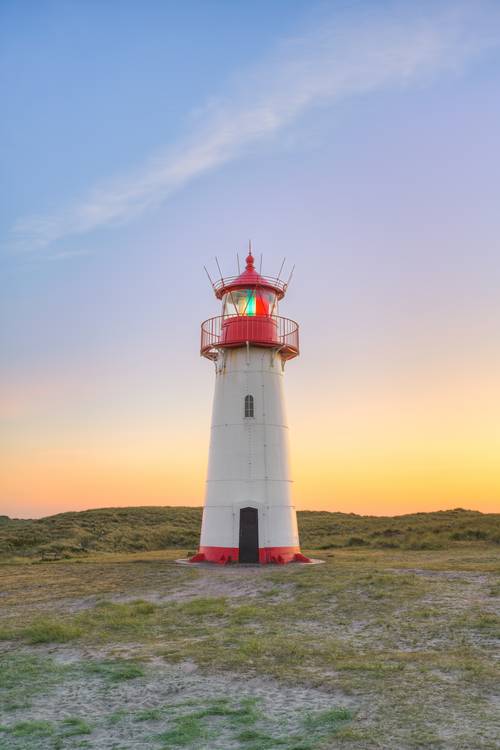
151,528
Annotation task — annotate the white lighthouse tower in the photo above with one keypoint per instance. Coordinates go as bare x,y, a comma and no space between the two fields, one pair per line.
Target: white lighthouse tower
248,516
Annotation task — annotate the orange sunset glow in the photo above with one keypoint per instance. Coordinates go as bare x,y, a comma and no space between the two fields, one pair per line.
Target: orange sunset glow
420,446
364,150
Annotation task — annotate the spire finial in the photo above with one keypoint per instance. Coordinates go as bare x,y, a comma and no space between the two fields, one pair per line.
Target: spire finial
249,257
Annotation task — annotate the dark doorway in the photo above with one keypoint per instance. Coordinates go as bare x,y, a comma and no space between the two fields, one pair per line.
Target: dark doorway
249,535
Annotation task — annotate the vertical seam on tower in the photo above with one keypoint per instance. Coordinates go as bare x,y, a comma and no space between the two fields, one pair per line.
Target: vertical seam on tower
249,427
264,434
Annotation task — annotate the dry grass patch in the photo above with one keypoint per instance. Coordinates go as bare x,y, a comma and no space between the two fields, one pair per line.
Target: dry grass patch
402,640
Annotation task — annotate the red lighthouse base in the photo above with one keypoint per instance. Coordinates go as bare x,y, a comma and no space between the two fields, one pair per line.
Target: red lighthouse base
267,555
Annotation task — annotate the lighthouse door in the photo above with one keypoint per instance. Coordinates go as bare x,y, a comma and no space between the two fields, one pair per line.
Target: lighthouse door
249,535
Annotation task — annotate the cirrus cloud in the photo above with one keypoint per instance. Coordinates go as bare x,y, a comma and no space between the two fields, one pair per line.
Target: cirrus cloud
344,54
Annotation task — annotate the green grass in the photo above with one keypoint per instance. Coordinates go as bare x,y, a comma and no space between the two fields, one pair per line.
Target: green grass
489,623
329,720
32,728
118,619
23,676
255,740
245,712
403,638
118,716
42,735
187,730
80,534
247,724
48,630
115,671
43,629
215,607
74,726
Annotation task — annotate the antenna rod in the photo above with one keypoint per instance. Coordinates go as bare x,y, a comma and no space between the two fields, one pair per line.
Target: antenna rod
222,277
238,259
260,265
209,277
290,277
281,268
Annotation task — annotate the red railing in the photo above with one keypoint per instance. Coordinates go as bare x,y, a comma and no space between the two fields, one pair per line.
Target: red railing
229,331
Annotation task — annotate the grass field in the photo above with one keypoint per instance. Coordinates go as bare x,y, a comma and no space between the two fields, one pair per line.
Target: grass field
151,528
390,647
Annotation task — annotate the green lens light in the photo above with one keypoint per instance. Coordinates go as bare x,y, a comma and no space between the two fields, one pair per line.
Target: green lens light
250,305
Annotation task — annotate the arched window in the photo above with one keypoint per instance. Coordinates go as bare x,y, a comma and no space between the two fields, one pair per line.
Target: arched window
248,406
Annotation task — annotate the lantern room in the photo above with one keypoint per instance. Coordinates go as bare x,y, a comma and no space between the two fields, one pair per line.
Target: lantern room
250,302
249,314
250,293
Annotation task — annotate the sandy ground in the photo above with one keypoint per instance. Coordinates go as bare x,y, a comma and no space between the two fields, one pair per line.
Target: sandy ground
450,697
174,690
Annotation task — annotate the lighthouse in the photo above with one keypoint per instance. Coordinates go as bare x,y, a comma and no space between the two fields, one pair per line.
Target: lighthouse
248,516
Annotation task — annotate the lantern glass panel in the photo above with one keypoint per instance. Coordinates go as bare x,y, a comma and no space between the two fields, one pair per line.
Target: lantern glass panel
250,302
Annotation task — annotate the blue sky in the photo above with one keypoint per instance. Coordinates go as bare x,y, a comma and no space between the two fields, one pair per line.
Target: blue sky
360,140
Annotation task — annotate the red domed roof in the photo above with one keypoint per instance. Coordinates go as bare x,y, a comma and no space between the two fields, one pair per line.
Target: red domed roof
250,278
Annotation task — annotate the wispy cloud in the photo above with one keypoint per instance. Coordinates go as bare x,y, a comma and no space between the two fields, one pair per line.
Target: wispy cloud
345,54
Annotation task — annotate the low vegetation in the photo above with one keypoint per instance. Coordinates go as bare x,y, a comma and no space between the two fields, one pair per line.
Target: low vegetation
78,534
379,647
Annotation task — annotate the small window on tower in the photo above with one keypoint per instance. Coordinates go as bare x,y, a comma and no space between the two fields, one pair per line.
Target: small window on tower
248,406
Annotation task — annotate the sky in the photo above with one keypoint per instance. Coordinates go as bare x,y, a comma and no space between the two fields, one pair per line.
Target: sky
360,140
